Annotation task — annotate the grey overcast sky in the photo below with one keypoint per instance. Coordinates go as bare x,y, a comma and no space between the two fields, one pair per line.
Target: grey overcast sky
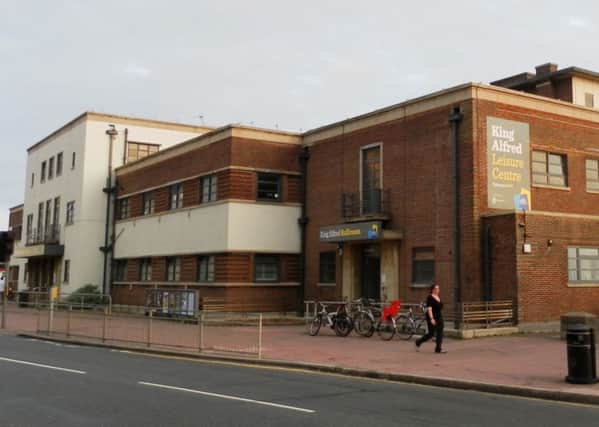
295,65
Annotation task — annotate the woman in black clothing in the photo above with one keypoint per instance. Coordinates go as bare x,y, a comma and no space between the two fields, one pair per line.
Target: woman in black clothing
434,320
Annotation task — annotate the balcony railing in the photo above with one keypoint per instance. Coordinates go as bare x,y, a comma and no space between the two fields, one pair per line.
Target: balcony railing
368,204
49,235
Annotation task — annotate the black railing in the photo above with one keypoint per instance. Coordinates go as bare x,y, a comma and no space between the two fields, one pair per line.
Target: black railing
371,203
49,235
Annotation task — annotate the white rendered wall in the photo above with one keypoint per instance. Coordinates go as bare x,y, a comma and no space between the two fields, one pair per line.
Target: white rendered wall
221,227
580,87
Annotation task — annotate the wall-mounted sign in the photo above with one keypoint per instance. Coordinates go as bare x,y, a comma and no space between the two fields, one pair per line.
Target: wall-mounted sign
371,230
508,164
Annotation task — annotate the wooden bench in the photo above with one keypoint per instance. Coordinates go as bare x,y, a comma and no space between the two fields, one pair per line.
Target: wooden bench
492,313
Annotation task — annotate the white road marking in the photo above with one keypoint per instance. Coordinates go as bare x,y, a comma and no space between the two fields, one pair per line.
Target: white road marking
224,396
39,365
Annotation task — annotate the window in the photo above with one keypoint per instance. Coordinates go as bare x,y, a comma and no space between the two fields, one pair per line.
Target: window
59,164
176,196
123,208
206,269
40,217
371,196
56,216
29,226
73,157
549,169
592,173
67,271
137,150
148,202
51,168
269,186
43,172
589,100
48,217
145,269
173,269
423,266
327,267
583,264
266,268
32,179
120,270
70,213
209,188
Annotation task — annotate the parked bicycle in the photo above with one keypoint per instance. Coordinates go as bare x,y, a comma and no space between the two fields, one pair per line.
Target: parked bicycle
410,323
370,318
338,320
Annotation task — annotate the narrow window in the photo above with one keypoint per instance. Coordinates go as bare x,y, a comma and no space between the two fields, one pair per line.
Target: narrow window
40,222
423,266
148,202
592,174
176,196
173,269
145,269
267,268
120,270
209,188
269,187
371,180
43,172
51,168
583,264
206,268
73,160
59,164
589,100
327,267
70,218
29,229
123,208
67,271
32,179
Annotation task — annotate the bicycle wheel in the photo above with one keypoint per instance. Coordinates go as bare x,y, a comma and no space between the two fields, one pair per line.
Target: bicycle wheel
386,329
343,326
314,325
405,327
364,325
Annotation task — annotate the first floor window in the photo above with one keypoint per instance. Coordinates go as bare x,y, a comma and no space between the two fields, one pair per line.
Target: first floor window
267,268
327,267
120,270
123,208
423,266
67,271
269,187
70,213
583,264
148,202
549,169
173,269
176,196
145,269
59,164
206,268
592,174
209,185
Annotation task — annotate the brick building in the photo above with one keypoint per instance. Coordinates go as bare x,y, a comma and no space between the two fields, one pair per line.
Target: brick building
217,214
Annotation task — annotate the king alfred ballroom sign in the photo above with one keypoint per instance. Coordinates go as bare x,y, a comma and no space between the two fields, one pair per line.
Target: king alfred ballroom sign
508,164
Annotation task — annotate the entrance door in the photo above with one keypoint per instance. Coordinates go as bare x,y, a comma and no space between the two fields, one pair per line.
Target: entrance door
371,272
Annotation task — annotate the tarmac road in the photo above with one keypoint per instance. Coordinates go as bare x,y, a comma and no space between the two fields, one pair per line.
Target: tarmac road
49,384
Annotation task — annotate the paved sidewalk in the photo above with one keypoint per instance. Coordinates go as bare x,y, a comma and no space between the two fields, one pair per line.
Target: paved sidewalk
535,362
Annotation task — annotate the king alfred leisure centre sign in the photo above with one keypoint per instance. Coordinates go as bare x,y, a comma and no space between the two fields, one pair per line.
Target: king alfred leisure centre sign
508,164
371,230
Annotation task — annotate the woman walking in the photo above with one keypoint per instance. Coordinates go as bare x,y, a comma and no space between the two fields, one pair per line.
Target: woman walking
434,320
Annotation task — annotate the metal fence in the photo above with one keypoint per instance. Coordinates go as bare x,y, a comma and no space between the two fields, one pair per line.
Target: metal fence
239,333
487,314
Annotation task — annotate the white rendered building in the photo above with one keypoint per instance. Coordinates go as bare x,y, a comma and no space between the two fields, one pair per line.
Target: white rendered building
68,206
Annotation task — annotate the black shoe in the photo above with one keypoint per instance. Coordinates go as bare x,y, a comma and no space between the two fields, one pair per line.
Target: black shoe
441,351
417,345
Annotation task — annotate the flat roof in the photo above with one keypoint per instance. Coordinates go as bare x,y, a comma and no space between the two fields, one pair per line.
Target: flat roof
558,74
17,207
91,115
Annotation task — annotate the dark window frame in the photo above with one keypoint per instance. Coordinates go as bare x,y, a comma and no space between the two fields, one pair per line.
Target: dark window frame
59,164
123,208
209,188
173,269
175,196
66,276
275,260
50,168
267,179
145,269
70,213
423,264
578,258
120,270
43,172
327,267
547,166
206,269
589,171
148,201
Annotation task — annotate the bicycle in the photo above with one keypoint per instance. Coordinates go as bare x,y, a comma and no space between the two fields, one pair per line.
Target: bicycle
409,324
365,323
363,317
337,320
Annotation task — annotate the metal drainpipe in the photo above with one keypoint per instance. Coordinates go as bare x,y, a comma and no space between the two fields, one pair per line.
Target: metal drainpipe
126,139
304,156
455,118
112,133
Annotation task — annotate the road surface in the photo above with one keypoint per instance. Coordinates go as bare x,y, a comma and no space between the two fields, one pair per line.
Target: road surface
49,384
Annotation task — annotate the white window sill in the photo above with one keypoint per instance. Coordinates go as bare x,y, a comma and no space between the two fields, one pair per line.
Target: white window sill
593,191
326,285
551,187
583,284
